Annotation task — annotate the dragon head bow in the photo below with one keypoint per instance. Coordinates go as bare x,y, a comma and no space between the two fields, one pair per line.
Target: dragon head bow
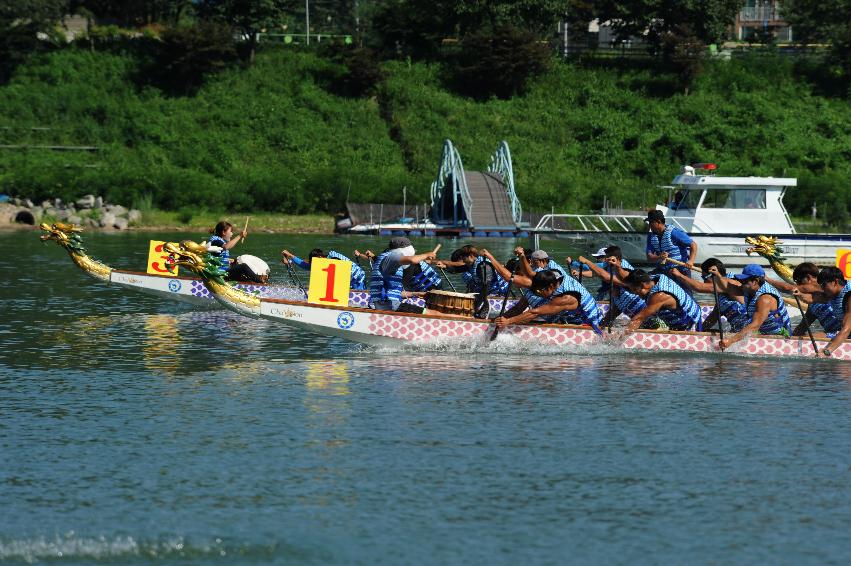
195,257
766,246
66,235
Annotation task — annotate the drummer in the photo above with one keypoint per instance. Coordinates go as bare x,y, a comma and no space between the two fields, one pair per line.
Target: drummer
358,280
222,237
386,288
551,295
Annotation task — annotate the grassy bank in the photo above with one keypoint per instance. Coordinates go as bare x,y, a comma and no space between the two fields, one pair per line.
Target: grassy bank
274,137
259,222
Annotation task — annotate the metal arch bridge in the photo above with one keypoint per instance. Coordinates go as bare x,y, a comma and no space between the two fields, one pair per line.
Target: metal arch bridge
481,200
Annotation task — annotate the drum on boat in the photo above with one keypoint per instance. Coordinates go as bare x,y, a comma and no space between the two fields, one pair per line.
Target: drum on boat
251,269
447,302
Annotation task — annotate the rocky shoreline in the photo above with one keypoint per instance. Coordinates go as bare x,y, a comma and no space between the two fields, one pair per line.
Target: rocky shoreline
88,211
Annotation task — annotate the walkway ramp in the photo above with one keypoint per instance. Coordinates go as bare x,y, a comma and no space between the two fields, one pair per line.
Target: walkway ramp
491,206
478,200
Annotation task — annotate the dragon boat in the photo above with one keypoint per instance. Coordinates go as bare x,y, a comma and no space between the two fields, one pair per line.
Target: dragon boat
192,290
183,289
391,328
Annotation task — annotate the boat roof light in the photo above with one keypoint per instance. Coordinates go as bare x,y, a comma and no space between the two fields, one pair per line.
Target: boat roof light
705,166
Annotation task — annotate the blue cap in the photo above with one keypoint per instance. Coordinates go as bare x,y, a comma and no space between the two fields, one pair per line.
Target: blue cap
751,270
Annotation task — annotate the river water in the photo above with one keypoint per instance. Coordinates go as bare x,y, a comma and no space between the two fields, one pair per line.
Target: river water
136,431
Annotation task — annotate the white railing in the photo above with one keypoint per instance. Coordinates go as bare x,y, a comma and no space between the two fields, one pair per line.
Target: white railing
501,165
451,165
601,222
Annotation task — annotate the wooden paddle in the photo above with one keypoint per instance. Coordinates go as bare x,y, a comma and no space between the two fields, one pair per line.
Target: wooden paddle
717,306
611,300
446,277
807,322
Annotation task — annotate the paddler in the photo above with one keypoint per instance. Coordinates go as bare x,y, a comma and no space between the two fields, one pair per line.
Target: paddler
623,300
664,241
763,302
604,260
550,295
358,280
665,299
476,271
730,306
479,275
805,277
386,288
834,292
538,260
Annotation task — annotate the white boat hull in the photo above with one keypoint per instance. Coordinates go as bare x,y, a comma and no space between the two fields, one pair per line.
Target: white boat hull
383,328
729,248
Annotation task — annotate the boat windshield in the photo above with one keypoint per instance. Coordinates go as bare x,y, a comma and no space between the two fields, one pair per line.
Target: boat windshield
685,199
734,198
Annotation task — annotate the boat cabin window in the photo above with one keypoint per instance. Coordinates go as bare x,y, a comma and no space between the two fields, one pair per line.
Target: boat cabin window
734,198
684,199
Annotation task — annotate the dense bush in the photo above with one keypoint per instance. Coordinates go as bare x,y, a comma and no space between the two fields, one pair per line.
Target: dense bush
274,136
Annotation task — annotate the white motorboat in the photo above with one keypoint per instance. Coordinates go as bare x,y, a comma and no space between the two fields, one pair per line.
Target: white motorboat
718,212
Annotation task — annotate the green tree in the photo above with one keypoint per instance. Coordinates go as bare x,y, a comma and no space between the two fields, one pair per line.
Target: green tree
419,27
499,63
677,31
21,22
129,13
247,17
186,54
824,21
708,20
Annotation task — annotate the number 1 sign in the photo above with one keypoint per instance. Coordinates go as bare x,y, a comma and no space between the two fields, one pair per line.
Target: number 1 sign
330,280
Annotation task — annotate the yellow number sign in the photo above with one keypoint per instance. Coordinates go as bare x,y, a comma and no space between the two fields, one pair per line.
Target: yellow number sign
843,262
330,280
157,260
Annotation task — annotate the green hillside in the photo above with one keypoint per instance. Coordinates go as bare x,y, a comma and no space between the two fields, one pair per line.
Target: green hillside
274,137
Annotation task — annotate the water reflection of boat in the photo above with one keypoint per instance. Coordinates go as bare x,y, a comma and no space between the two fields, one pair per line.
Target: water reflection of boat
386,328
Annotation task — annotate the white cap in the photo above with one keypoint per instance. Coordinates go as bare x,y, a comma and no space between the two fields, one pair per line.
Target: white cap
601,252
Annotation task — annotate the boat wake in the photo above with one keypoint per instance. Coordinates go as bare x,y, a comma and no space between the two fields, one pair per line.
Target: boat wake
71,546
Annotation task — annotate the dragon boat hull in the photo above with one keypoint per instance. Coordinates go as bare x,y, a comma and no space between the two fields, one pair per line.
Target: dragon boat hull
192,290
383,328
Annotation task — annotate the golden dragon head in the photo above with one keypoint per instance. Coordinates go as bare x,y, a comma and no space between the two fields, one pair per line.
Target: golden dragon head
194,257
766,246
66,235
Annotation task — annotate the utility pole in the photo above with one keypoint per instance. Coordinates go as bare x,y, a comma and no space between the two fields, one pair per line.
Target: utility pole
307,19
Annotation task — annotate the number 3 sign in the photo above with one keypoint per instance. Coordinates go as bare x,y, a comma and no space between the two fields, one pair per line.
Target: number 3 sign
330,280
157,260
